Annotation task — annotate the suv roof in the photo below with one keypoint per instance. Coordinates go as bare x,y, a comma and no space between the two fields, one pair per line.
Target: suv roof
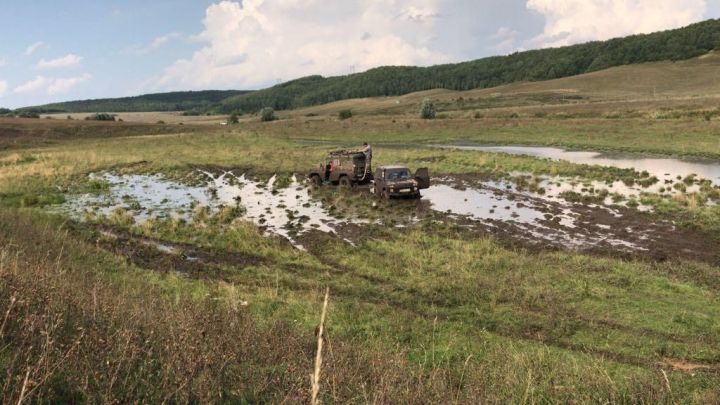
393,167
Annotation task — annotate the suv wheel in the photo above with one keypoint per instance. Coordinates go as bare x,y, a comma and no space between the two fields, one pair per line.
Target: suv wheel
315,180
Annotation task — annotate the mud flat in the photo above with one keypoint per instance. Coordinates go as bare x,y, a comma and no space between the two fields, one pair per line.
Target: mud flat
289,208
286,211
544,222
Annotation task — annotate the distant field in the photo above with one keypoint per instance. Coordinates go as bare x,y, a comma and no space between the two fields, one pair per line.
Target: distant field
151,117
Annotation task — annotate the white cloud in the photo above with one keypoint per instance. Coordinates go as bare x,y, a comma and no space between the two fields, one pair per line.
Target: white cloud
32,85
573,21
63,85
33,47
263,41
68,60
156,43
505,40
416,14
3,62
50,86
3,87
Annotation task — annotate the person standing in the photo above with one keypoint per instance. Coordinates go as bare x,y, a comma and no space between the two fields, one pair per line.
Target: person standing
367,150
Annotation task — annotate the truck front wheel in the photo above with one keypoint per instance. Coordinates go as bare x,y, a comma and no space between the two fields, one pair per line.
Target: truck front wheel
315,180
345,182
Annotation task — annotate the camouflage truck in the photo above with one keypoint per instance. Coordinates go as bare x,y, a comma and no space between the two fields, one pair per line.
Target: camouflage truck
346,168
397,181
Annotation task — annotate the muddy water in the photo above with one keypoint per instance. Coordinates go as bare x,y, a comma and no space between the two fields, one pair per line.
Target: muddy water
480,203
496,206
288,211
662,168
145,196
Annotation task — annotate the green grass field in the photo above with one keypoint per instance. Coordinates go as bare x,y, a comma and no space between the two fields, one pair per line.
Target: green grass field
428,313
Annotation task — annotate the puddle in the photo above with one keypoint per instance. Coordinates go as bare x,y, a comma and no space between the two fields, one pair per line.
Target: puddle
662,168
480,203
288,212
495,207
537,220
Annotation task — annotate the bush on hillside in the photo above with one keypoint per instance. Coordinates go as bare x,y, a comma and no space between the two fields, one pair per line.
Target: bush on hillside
233,119
345,114
28,114
427,109
267,114
100,117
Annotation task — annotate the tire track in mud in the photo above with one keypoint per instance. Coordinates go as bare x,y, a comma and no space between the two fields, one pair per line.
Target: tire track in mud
203,264
168,257
537,331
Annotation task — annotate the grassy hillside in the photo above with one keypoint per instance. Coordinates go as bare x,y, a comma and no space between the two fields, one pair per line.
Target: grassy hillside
174,101
642,88
536,65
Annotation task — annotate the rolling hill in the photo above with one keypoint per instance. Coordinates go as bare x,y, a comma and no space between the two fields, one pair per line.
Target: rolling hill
536,65
688,84
174,101
544,65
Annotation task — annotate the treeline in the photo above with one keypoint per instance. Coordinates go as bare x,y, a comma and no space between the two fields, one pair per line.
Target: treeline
536,65
174,101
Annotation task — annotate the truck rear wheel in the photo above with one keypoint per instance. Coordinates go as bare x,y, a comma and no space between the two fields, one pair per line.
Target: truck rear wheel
345,182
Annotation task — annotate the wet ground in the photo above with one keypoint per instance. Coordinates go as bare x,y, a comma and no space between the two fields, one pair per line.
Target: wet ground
662,168
292,210
545,222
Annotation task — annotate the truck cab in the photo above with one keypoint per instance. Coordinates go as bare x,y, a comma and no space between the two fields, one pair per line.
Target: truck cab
399,182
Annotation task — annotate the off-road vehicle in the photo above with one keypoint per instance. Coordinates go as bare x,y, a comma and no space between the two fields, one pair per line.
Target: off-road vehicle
346,168
397,181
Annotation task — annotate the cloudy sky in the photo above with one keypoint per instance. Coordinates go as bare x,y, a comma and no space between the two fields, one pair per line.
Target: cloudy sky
75,49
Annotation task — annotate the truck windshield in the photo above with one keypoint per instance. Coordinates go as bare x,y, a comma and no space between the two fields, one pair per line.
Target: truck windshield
397,174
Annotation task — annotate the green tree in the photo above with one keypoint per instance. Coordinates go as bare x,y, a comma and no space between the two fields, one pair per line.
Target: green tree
233,119
345,114
427,109
267,114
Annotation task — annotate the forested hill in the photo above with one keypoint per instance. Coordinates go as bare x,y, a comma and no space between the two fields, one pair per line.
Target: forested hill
536,65
175,101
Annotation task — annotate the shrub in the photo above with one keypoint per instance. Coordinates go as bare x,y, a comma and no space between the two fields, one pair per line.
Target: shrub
267,114
100,117
233,119
427,109
345,114
28,114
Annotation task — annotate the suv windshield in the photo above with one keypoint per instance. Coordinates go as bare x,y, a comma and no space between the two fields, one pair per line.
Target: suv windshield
397,174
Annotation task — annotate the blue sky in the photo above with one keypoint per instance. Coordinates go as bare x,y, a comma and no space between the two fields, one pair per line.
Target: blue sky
75,49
